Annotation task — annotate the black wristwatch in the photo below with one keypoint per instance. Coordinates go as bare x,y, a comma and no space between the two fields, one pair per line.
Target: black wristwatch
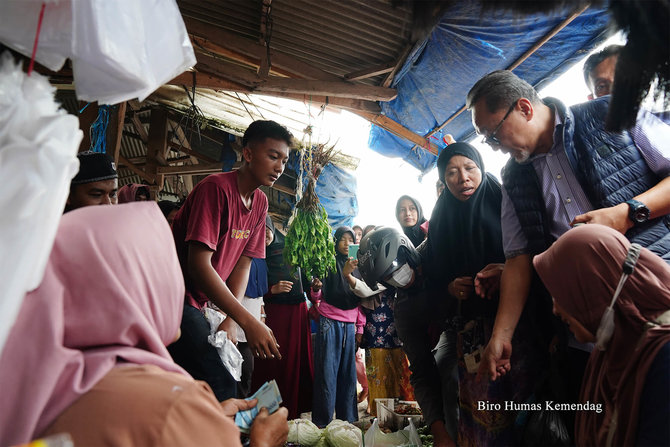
638,212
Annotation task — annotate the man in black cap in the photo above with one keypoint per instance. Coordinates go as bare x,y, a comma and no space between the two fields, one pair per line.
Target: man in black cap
96,183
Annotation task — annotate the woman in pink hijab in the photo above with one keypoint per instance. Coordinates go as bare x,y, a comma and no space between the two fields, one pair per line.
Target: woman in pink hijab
629,382
87,352
133,192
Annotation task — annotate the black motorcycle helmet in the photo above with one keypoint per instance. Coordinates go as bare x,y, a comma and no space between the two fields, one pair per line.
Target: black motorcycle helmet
381,252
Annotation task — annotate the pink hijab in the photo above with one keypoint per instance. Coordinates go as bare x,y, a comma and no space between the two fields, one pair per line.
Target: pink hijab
127,192
112,294
581,271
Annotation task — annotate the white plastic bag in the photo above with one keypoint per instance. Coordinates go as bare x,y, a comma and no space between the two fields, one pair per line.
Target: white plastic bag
407,437
127,49
120,49
230,356
38,158
18,24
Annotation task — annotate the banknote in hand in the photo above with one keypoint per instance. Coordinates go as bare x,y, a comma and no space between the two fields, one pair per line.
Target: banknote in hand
268,397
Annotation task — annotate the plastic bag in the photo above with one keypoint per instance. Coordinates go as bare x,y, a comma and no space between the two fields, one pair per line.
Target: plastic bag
18,23
546,428
38,158
120,50
230,356
408,437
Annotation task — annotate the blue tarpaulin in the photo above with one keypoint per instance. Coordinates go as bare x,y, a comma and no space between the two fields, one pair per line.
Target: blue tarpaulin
336,189
465,45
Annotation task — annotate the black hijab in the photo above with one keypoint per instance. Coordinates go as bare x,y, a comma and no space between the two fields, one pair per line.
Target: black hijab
414,233
464,237
336,290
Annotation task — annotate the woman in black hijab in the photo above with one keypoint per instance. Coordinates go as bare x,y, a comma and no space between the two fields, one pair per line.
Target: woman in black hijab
464,233
410,217
340,322
465,238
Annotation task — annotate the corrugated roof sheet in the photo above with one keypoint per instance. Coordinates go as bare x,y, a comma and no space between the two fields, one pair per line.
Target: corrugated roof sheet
339,37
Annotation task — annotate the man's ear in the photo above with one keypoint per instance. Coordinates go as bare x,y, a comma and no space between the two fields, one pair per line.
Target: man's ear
247,154
590,96
526,108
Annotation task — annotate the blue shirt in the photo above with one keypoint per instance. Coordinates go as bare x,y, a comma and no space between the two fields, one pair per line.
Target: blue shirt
258,279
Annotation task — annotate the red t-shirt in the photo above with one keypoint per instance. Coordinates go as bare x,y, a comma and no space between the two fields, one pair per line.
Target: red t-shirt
215,215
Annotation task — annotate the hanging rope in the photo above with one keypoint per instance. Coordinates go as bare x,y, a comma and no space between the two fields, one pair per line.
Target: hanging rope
245,106
305,161
255,106
268,31
98,130
37,38
193,119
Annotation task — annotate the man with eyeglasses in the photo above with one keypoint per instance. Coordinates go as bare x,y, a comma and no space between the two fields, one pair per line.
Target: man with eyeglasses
565,169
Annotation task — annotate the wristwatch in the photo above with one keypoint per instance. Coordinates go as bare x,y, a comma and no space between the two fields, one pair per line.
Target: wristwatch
638,212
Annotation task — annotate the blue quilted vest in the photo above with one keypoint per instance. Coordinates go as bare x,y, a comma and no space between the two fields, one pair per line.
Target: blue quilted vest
607,165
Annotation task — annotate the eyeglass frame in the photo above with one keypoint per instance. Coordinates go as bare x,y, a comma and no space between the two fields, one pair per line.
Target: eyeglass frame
491,139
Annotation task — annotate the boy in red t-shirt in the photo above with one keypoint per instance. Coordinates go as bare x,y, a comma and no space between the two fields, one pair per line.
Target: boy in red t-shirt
217,231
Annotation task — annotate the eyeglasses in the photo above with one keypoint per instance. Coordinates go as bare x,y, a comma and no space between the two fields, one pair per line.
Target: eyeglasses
491,139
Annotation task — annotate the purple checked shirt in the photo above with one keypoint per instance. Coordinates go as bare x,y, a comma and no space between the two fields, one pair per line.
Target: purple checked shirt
563,195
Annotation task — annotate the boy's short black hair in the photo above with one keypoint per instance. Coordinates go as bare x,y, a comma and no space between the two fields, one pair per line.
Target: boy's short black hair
596,58
260,130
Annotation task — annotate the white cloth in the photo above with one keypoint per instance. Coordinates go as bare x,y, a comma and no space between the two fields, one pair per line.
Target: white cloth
253,305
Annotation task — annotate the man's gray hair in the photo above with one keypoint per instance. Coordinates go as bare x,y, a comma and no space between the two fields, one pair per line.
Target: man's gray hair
500,89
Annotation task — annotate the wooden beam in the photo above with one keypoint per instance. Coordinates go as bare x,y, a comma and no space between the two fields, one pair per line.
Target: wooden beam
264,39
249,48
86,118
285,85
328,88
401,131
117,135
184,149
286,184
156,147
189,169
139,127
369,72
174,161
134,105
187,179
216,82
144,175
342,103
208,80
206,45
137,161
399,63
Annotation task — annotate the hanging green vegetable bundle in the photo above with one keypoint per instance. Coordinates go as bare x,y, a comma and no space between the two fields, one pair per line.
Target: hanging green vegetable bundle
309,241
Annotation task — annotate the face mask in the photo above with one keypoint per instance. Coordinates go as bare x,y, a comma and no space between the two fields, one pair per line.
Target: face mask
401,277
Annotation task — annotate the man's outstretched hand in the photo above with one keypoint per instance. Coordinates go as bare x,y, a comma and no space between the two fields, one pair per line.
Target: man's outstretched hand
496,359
